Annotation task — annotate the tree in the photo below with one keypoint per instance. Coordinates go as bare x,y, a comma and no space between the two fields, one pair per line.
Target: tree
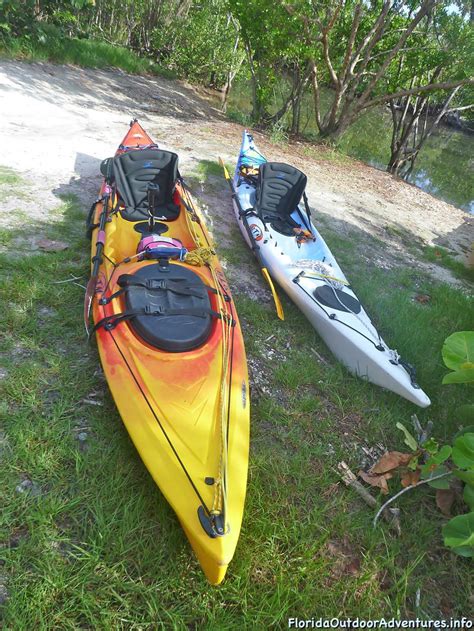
447,50
355,48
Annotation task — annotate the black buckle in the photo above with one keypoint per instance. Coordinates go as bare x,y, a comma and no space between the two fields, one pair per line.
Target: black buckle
154,310
153,283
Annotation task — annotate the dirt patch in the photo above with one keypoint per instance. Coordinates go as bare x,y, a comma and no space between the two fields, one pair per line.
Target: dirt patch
61,121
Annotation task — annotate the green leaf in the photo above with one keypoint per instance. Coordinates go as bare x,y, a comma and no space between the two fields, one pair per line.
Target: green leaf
468,496
458,349
464,430
409,440
427,472
465,375
442,455
431,446
465,476
458,534
463,451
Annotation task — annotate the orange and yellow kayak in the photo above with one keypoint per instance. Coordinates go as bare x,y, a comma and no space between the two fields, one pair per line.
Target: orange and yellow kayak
171,345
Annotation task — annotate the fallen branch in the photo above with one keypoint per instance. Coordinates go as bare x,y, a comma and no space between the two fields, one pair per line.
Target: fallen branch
68,280
413,486
320,357
422,435
391,515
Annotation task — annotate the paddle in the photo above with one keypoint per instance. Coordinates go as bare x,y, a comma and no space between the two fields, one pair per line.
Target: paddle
97,259
266,275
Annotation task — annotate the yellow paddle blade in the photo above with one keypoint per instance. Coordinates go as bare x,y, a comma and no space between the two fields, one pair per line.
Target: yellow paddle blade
278,306
226,172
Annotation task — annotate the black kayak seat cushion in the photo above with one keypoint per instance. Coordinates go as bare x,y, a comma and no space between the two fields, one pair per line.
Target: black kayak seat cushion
173,333
134,170
279,191
336,299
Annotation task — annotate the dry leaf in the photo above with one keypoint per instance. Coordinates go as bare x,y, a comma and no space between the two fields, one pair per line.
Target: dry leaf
410,478
380,481
444,500
423,298
391,460
52,246
346,561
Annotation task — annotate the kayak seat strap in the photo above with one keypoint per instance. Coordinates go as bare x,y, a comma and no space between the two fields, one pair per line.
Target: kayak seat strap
151,284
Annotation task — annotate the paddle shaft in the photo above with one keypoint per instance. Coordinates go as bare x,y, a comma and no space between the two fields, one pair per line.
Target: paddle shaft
97,259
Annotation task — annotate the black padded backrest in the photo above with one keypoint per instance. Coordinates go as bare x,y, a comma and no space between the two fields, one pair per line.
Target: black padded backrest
279,190
135,170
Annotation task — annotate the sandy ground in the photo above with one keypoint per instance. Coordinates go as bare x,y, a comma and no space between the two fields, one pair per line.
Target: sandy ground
59,122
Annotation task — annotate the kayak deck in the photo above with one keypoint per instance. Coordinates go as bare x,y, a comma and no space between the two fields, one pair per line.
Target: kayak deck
186,412
309,273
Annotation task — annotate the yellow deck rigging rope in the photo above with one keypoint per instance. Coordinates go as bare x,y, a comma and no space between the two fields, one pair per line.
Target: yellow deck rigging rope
204,256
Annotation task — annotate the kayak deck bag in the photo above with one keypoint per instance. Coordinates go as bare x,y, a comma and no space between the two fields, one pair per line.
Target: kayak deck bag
135,171
279,191
170,306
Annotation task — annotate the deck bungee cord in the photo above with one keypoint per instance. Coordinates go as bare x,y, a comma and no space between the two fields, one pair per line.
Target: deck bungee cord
173,448
219,507
201,255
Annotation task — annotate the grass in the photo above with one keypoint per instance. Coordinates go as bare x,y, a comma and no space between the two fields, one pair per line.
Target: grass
442,256
8,177
50,44
96,546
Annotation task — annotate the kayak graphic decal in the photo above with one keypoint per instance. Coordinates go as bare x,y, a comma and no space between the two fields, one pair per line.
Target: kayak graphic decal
256,232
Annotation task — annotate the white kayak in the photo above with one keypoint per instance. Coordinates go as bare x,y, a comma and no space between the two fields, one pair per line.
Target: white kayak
277,225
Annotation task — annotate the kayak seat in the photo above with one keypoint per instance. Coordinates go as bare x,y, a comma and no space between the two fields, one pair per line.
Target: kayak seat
134,171
174,287
279,191
336,299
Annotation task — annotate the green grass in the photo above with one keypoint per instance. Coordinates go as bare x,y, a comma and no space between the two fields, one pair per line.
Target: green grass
441,256
206,168
8,177
97,546
50,44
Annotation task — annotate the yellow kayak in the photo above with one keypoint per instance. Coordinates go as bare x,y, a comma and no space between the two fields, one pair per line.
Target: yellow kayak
171,345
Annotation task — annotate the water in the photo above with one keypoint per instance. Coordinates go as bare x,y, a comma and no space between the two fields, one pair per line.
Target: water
444,168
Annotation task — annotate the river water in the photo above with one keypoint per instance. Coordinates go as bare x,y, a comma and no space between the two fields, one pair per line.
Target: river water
444,168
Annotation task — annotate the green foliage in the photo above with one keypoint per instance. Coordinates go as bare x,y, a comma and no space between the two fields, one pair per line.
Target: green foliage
198,45
278,134
463,452
468,495
50,44
458,355
409,440
458,534
441,463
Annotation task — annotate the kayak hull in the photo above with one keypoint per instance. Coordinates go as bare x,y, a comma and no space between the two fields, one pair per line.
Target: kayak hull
176,405
300,269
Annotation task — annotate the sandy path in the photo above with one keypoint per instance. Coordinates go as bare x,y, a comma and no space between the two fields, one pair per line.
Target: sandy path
59,122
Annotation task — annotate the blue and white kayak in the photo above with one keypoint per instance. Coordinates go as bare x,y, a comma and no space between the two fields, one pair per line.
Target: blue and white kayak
296,256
